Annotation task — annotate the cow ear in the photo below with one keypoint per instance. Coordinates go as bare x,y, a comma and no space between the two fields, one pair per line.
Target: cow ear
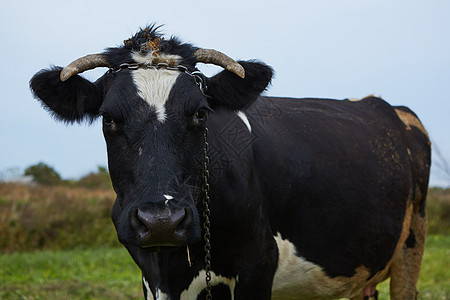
230,91
74,100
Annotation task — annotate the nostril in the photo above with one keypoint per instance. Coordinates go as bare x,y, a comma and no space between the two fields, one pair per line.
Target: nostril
185,221
140,224
178,217
144,218
135,223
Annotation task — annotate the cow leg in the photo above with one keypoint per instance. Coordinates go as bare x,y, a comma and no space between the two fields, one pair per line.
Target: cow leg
255,285
256,278
406,266
256,282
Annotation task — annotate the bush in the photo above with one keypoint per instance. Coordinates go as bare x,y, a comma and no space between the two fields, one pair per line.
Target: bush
99,180
438,208
43,174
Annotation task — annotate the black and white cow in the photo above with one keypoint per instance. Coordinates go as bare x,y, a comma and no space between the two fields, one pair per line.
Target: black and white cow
309,198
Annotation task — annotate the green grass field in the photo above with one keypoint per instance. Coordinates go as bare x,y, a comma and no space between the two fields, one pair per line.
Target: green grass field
111,274
106,273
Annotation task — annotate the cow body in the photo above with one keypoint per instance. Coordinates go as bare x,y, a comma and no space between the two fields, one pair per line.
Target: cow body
310,198
322,222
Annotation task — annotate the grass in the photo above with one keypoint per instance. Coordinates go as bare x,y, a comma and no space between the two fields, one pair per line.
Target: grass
110,273
51,219
99,273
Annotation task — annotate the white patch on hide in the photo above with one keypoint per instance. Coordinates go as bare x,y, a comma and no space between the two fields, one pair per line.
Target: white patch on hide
147,288
161,296
198,284
168,198
153,85
244,119
296,277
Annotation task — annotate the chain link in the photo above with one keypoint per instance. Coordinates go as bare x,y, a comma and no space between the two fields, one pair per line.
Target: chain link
206,215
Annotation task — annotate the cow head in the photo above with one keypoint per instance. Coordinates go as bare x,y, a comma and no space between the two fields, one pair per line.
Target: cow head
154,116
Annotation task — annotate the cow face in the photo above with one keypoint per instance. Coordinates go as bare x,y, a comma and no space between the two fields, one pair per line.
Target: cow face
154,134
153,123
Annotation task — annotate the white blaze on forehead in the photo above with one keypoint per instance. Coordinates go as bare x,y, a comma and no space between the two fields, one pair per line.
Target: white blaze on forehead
154,86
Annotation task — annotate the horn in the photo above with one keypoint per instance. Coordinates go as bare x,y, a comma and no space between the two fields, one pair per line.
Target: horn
82,64
211,56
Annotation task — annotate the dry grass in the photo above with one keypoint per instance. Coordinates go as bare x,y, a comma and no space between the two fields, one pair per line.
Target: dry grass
41,217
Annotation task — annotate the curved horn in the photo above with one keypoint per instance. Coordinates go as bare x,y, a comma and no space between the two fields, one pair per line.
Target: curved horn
218,58
82,64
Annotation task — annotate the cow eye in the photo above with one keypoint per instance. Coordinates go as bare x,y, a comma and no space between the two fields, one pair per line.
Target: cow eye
107,120
202,114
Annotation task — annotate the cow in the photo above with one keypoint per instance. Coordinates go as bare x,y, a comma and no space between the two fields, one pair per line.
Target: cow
225,193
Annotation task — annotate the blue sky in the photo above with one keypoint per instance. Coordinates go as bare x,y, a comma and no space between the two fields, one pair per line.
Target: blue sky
399,50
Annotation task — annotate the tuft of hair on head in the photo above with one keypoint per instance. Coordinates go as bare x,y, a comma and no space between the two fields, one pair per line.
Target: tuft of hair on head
147,39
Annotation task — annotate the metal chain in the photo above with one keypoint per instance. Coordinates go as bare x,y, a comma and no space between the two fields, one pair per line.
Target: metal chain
206,215
198,76
158,66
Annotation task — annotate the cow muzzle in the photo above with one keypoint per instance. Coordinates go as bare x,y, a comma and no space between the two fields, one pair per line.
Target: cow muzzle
161,226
